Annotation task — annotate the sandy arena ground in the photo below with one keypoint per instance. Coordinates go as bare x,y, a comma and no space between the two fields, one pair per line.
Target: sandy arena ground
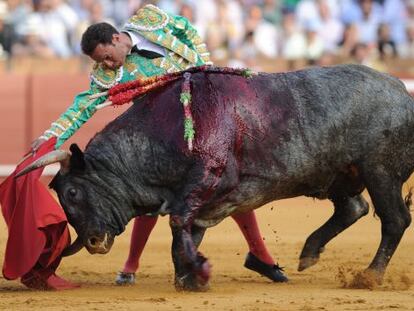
285,226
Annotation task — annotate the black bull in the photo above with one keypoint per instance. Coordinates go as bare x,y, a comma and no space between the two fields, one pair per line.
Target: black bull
321,132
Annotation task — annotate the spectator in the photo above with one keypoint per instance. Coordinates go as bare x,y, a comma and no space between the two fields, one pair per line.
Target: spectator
216,31
250,52
272,11
365,55
253,19
246,56
406,50
290,5
95,13
221,23
314,44
231,22
53,24
121,10
331,29
249,3
206,16
409,5
81,8
368,22
386,46
349,41
187,11
66,13
395,15
326,59
350,11
263,33
293,42
308,11
69,18
31,41
7,35
171,6
360,54
18,12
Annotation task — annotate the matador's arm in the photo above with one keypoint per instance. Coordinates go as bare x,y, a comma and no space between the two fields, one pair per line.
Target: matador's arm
81,110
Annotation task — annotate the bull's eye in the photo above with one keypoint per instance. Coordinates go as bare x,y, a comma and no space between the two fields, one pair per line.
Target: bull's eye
72,192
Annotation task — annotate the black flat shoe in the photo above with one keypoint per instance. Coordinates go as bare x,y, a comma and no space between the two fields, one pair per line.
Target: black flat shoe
125,278
272,272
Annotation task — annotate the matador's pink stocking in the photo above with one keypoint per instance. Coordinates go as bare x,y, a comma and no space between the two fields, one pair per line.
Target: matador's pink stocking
143,226
248,225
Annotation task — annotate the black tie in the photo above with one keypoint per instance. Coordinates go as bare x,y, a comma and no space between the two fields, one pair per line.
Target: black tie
145,53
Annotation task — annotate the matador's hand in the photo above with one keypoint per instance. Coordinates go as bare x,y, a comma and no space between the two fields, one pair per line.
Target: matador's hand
37,143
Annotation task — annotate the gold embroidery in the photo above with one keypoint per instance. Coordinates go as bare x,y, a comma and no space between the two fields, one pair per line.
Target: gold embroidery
167,42
148,18
179,24
130,66
106,78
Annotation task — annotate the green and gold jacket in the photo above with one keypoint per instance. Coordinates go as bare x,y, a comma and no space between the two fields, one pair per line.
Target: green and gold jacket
184,49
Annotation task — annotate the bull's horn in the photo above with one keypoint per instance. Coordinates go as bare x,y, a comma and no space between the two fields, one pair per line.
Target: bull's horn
73,248
55,156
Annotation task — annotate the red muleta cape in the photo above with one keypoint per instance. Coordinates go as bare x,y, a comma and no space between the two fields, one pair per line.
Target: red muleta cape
37,225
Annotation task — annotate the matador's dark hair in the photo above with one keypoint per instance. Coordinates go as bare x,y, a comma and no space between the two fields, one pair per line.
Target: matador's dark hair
96,34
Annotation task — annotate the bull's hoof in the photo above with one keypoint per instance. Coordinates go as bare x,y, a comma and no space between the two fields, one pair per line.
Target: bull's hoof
190,282
195,276
272,272
306,262
125,278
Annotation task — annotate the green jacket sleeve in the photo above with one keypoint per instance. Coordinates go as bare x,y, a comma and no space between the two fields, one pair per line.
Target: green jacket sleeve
75,116
185,31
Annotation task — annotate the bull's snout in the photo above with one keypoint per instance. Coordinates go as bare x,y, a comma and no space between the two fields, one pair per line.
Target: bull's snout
99,245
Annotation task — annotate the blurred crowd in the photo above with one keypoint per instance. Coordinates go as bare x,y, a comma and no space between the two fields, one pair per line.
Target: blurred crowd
237,31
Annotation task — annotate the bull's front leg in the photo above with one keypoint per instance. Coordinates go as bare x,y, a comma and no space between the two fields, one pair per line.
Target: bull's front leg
192,270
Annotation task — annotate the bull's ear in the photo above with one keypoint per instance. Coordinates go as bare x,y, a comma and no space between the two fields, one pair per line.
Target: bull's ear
77,161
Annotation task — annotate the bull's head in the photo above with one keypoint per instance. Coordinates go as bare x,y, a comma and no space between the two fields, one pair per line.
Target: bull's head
87,200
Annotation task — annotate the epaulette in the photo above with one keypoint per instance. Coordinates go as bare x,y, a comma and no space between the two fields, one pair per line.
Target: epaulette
106,78
148,18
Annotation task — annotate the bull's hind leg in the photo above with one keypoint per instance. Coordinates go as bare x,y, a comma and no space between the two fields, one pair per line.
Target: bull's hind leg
385,192
347,211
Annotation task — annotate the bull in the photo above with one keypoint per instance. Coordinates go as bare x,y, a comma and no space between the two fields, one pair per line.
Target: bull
326,133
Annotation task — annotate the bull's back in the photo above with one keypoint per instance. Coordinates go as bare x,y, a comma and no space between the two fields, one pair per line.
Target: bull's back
352,108
314,123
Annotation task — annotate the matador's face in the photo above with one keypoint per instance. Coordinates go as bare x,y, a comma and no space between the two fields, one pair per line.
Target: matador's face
111,55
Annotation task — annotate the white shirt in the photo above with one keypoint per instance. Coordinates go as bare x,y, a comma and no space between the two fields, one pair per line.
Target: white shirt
144,44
